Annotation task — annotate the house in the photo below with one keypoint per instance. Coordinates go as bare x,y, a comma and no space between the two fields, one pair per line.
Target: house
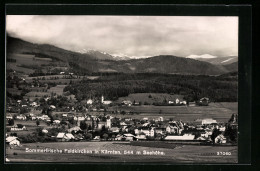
89,101
172,129
106,102
56,121
74,129
145,119
140,137
177,101
64,115
12,141
65,136
178,137
129,137
114,129
21,117
183,102
126,102
160,130
220,139
201,138
203,101
96,138
45,131
160,119
146,130
52,107
208,121
119,137
8,117
171,102
34,104
18,127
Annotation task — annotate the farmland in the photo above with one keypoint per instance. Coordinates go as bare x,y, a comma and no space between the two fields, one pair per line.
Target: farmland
150,97
177,154
219,111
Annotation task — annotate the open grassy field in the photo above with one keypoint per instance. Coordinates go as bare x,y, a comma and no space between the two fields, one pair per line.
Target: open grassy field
219,111
30,127
29,59
154,97
57,89
124,153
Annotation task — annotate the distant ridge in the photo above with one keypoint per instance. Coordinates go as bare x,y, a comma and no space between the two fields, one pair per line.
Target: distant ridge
96,61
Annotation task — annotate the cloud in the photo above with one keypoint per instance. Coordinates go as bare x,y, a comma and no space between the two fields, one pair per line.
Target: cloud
131,35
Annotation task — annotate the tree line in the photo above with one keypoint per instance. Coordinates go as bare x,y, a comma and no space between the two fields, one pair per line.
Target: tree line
113,86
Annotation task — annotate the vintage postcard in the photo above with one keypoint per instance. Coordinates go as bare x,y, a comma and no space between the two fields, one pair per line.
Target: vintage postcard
118,89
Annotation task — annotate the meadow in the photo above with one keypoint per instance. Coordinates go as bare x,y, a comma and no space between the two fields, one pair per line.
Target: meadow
220,111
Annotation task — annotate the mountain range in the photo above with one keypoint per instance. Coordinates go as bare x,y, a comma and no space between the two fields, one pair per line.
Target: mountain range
96,61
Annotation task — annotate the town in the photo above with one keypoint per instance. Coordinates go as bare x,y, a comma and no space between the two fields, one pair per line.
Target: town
102,124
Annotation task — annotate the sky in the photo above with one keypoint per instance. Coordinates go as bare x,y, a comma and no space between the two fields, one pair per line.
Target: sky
133,36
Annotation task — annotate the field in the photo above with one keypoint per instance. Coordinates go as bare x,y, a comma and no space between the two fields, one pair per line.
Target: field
123,152
57,89
219,111
154,97
30,126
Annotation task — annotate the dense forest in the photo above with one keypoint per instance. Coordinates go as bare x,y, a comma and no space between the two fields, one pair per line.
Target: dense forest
223,88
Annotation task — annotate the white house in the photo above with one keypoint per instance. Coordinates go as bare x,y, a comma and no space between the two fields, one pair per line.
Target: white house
64,136
9,117
12,141
208,121
177,137
147,131
140,137
127,102
45,131
56,121
220,139
52,107
21,117
18,127
89,101
129,137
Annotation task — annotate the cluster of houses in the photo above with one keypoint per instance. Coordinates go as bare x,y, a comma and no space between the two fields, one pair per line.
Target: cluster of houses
132,129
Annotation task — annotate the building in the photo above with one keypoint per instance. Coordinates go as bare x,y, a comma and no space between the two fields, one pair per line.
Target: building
106,102
89,101
129,137
220,139
140,137
126,102
65,136
21,117
18,127
184,137
12,141
145,130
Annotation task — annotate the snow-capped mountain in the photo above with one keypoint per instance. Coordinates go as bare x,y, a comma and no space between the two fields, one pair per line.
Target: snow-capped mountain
214,59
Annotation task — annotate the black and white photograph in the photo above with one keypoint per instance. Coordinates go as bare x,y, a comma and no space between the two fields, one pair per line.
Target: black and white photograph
121,89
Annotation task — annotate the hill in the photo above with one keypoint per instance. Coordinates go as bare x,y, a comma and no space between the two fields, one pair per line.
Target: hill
232,67
219,60
92,62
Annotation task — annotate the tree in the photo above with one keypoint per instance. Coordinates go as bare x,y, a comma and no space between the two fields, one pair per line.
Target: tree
37,122
11,122
83,125
105,136
88,136
215,133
